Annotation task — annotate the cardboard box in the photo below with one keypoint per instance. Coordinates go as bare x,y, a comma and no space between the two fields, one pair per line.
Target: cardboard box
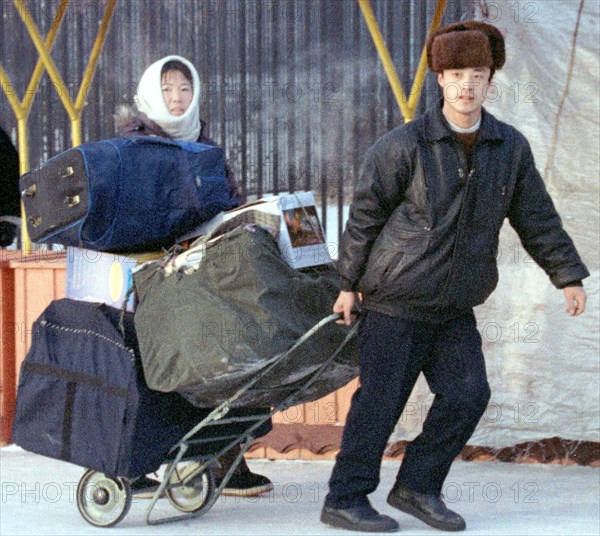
293,219
98,276
301,235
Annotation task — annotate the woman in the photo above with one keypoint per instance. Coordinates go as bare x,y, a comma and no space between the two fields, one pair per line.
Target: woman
168,105
167,100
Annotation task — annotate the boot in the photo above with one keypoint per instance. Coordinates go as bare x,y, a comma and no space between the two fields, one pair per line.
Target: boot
243,482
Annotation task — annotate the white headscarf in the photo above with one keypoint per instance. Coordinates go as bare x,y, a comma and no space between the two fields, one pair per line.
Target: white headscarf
149,100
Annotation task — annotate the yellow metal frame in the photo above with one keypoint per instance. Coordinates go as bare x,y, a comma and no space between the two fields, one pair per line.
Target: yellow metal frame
74,109
407,106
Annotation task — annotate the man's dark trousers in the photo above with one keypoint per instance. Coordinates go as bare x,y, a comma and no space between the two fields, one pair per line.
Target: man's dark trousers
393,351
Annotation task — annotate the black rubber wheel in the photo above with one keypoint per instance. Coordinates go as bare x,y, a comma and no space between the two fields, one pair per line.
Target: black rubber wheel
103,501
195,495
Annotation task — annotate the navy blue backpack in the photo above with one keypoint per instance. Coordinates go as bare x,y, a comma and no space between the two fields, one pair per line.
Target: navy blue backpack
133,193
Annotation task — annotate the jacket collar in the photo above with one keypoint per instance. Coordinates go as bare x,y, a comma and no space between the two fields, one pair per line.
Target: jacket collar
436,127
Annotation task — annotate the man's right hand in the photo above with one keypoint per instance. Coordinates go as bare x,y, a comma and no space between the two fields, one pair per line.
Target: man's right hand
344,305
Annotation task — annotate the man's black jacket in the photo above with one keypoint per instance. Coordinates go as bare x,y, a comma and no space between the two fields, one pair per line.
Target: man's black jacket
422,237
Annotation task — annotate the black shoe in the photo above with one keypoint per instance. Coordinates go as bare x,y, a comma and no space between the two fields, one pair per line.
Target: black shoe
243,482
363,518
144,487
428,508
247,484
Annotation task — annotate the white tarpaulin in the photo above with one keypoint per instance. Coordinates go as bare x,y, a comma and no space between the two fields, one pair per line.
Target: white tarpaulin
543,365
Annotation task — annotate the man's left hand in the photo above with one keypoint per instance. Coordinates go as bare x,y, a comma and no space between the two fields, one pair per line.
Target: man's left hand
576,298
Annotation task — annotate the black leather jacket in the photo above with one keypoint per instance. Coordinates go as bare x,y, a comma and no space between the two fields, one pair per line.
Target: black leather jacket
422,237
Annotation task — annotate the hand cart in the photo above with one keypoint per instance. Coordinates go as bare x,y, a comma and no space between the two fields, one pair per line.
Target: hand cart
188,482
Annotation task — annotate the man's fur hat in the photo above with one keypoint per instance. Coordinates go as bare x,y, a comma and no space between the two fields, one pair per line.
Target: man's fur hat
465,44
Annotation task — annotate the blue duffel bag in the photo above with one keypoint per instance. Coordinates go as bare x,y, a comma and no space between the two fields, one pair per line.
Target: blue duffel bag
131,193
82,396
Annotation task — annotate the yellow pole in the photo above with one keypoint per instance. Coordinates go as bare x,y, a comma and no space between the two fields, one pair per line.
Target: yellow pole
48,44
86,81
96,49
407,107
23,168
417,86
10,93
75,111
384,55
22,146
23,108
46,59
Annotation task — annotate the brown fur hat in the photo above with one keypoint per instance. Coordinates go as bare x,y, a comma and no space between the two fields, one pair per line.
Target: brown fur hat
465,44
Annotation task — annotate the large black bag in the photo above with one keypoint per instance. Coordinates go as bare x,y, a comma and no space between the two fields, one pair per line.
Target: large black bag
82,397
125,194
207,333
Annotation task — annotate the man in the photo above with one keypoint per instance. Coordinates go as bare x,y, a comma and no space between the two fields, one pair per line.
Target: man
420,246
10,200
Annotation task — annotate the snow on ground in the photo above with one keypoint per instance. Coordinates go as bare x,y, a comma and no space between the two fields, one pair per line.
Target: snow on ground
38,497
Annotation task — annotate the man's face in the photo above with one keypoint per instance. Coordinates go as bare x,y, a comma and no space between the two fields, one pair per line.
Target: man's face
465,90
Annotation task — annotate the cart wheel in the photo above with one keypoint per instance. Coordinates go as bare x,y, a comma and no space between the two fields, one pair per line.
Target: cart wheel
194,496
103,501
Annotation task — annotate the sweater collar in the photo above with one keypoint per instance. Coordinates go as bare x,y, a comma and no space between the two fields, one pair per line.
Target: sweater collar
436,126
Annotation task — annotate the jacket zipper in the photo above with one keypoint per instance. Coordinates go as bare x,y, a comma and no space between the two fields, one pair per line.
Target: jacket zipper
458,235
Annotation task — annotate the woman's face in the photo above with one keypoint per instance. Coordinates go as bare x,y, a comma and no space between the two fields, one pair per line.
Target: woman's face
177,92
